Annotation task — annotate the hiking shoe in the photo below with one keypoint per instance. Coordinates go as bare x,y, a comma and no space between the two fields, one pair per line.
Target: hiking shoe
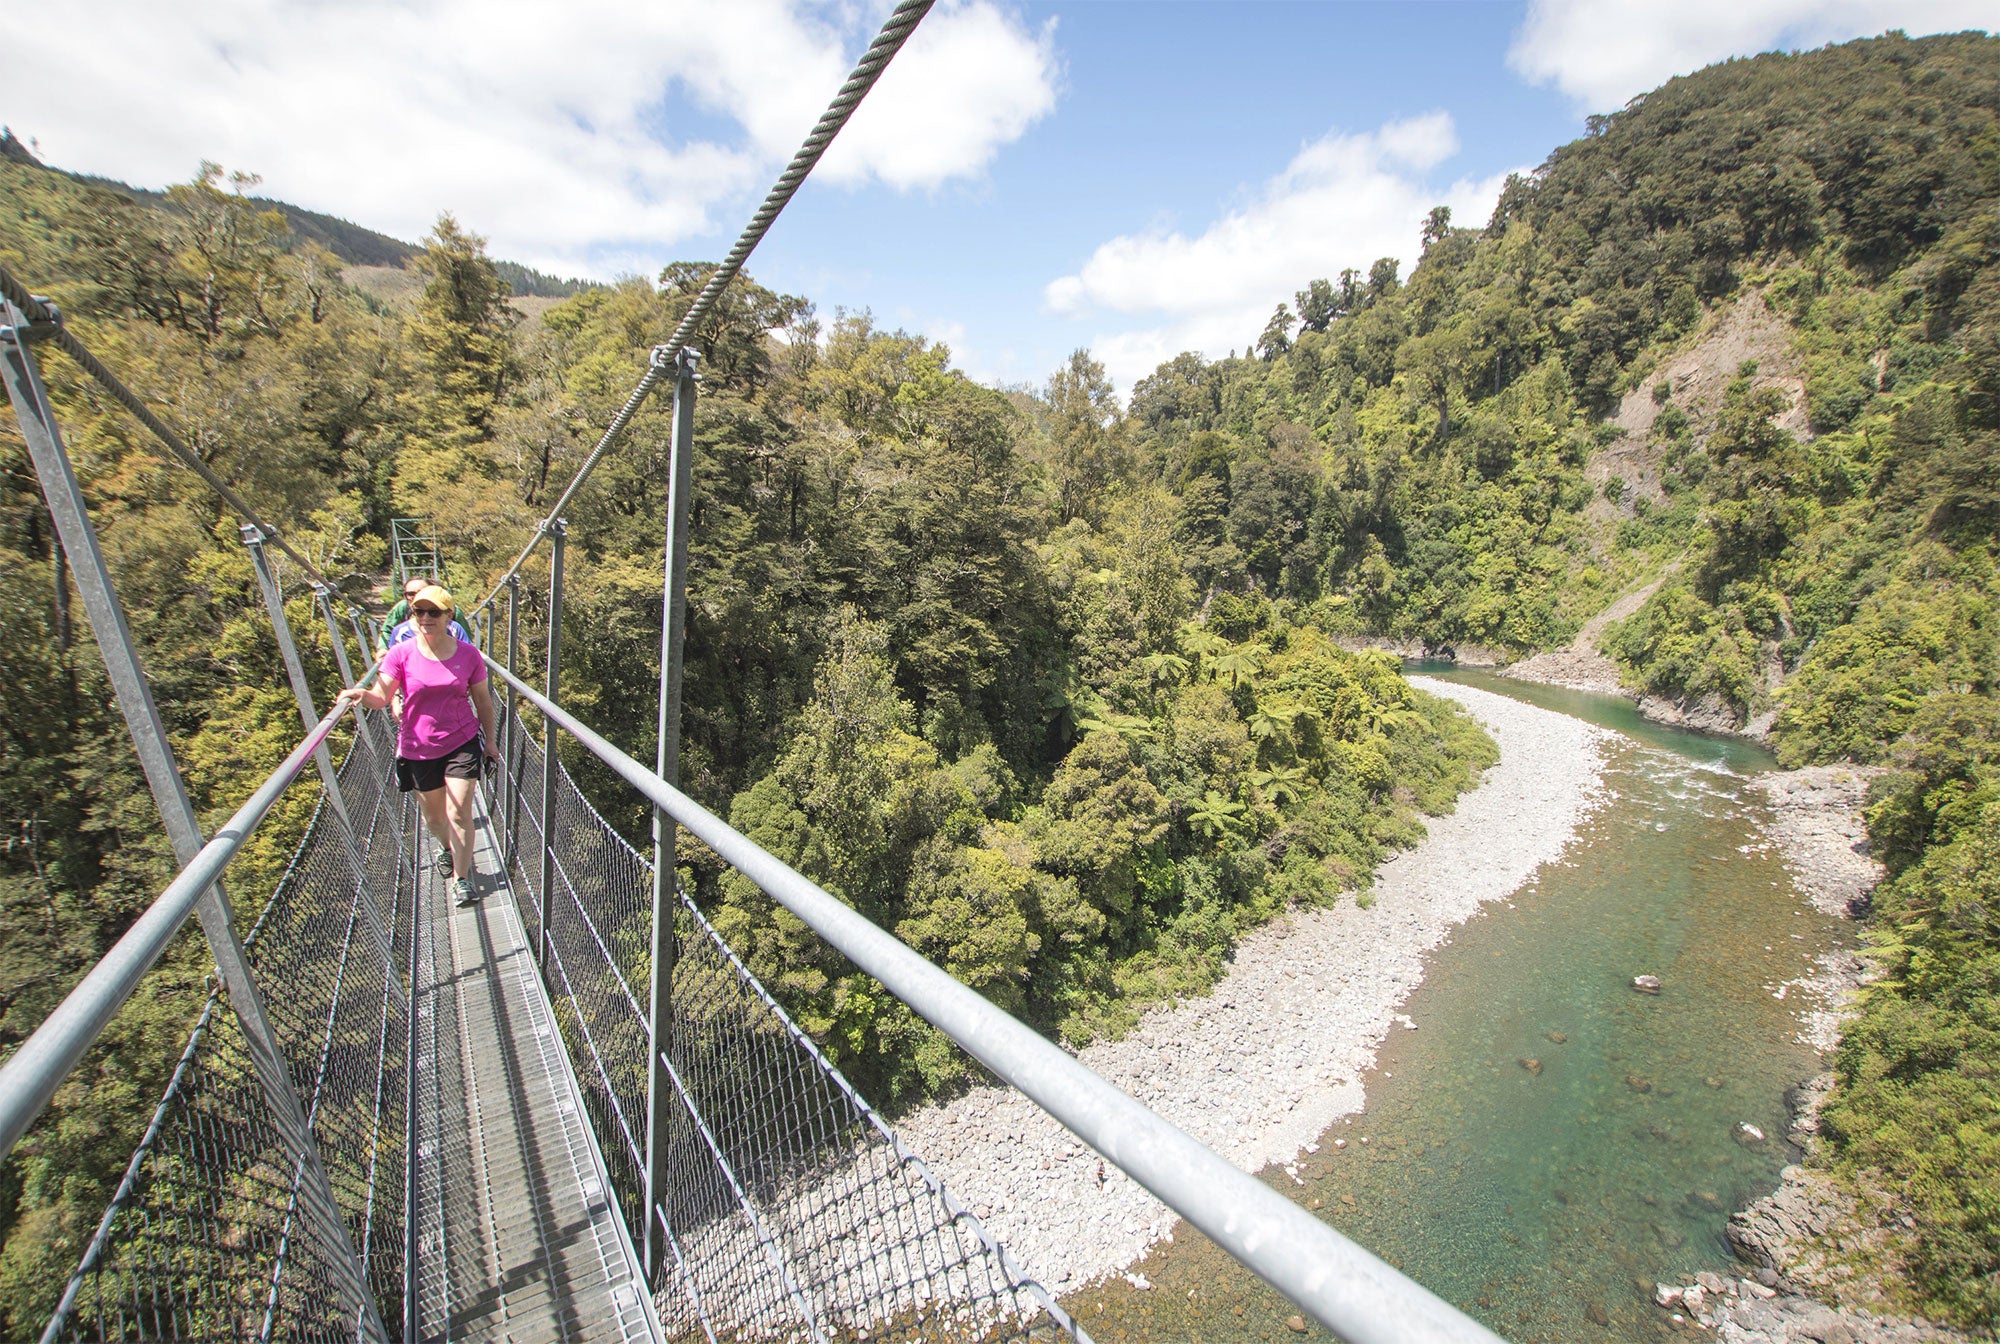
463,892
444,862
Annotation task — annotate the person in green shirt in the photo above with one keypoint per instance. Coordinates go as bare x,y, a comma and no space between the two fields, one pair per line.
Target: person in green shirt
399,613
412,585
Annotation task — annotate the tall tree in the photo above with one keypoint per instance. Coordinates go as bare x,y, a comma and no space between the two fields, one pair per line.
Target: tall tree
1088,450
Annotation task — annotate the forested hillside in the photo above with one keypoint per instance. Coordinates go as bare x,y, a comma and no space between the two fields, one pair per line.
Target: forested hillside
1532,424
1058,689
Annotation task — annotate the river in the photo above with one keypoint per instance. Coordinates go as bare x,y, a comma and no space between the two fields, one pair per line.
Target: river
1548,1143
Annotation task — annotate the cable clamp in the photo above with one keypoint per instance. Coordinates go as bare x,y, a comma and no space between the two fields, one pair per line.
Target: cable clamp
30,328
682,361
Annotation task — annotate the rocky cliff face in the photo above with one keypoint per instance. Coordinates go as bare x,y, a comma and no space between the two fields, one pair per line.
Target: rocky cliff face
1709,713
1788,1241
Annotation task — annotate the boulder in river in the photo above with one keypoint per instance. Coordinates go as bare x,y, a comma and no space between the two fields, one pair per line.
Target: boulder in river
1557,1037
1747,1133
1646,984
1532,1065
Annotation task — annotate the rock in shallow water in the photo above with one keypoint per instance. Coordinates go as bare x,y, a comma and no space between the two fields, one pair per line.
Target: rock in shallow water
1646,984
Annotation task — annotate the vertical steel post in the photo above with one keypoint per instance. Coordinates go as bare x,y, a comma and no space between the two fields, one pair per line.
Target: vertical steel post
323,598
295,672
667,765
149,740
558,531
512,804
360,628
366,718
387,723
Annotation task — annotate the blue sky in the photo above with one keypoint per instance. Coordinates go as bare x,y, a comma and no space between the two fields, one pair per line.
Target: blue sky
1130,176
1168,115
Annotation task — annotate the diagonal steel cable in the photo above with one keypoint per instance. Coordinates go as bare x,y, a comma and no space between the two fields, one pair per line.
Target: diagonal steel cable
895,32
41,314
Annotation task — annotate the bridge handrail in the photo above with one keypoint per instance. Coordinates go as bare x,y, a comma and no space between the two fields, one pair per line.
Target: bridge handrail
31,1076
1344,1287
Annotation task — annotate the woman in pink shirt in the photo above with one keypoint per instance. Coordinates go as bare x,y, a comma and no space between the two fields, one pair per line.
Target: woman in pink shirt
447,727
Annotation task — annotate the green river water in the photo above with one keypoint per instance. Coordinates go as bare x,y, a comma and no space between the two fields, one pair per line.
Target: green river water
1546,1199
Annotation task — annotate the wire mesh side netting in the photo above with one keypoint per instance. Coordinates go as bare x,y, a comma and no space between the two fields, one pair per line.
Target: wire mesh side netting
791,1210
204,1238
600,933
794,1209
517,813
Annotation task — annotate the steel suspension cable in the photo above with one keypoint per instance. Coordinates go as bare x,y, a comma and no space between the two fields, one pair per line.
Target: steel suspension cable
895,32
45,315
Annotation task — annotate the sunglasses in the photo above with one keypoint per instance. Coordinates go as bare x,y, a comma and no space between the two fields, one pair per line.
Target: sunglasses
425,611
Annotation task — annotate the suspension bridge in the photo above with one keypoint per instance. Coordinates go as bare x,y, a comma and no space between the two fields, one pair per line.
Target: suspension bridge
569,1111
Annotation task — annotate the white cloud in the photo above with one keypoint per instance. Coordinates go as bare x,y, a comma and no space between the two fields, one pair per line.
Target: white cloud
541,127
1343,201
970,81
1602,53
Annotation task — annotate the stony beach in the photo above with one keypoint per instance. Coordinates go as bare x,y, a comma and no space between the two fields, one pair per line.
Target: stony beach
1259,1068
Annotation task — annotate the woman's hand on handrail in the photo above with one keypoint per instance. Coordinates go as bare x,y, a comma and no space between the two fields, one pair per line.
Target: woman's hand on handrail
368,697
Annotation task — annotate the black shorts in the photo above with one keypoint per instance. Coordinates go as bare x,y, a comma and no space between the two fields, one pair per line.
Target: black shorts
462,762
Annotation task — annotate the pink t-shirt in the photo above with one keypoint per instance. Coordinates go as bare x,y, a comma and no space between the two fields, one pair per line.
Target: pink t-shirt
437,708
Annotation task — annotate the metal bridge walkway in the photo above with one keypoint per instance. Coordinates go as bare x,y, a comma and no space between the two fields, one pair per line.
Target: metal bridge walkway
519,1233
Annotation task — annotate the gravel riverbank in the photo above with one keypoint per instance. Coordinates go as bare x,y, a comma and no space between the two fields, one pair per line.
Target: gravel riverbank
1259,1068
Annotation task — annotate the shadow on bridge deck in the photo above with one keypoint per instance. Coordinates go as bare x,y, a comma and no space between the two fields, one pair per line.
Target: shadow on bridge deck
518,1231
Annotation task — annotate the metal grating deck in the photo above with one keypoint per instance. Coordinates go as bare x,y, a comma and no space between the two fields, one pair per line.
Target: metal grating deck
515,1198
